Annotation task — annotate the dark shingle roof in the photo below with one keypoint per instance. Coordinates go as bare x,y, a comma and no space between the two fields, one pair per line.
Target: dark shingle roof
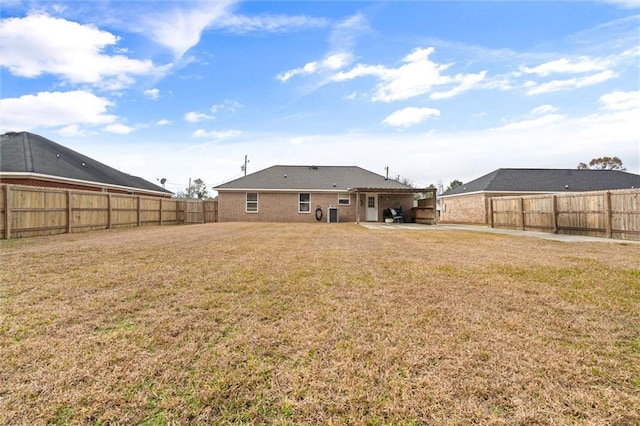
24,152
549,180
332,178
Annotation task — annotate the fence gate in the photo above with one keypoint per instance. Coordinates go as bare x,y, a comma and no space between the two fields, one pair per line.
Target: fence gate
193,212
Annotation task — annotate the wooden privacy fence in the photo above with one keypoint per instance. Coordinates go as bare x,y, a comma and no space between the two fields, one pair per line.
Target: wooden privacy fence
27,211
611,214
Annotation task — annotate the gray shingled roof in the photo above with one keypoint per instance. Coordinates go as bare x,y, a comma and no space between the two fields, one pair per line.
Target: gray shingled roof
318,178
24,152
548,180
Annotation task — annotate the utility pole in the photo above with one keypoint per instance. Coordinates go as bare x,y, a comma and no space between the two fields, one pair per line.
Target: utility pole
244,168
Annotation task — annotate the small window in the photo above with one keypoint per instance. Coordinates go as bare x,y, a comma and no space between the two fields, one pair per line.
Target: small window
304,203
344,199
252,202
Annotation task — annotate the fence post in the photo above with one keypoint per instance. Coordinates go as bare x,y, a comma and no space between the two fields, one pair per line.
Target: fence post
109,212
608,215
7,212
139,215
491,212
69,211
554,213
522,212
160,211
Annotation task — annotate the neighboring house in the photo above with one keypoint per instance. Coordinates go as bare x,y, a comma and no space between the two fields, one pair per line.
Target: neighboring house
306,193
29,159
469,203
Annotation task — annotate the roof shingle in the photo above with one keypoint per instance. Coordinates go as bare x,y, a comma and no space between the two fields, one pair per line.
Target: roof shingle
24,152
319,178
548,180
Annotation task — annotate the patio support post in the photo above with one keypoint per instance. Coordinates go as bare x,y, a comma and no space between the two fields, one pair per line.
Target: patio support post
357,207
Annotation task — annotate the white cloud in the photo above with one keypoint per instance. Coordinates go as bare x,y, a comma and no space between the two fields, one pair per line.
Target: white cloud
152,94
163,122
583,64
417,76
544,109
532,123
329,63
228,104
195,117
118,129
572,83
621,100
217,135
410,116
39,44
55,109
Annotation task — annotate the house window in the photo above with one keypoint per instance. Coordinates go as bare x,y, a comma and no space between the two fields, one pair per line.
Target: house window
344,199
304,203
252,202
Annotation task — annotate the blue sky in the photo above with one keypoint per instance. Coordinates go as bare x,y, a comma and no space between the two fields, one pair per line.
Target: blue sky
433,90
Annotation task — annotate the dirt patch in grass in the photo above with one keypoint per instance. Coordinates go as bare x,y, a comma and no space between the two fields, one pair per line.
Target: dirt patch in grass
317,324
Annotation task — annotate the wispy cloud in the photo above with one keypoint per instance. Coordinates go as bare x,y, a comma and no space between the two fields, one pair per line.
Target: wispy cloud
152,94
341,42
571,83
196,117
180,27
583,64
217,134
118,129
621,100
410,116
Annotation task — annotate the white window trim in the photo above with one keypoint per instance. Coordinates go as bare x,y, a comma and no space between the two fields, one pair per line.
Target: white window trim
305,202
246,203
341,197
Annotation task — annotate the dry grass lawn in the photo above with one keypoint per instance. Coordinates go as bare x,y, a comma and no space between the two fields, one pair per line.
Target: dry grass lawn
317,324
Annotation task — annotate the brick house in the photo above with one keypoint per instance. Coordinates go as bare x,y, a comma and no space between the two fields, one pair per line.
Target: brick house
32,160
469,203
313,193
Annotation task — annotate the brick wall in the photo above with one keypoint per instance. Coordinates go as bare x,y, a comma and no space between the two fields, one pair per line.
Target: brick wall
470,209
283,207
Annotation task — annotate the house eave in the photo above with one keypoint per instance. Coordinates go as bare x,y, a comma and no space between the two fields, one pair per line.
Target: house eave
291,190
392,190
500,192
58,179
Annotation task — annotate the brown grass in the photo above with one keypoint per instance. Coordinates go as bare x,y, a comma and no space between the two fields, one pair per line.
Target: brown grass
317,324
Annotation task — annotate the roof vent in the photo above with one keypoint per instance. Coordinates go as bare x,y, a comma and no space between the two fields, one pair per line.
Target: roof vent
84,164
284,176
10,134
334,185
57,155
314,167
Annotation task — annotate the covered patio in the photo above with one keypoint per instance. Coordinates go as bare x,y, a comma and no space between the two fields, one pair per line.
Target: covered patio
372,202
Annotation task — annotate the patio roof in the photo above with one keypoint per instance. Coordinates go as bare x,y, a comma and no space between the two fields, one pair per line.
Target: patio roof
392,190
